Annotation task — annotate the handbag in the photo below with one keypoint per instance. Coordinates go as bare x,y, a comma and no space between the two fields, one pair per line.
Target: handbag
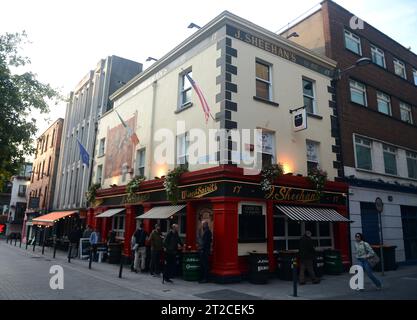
373,260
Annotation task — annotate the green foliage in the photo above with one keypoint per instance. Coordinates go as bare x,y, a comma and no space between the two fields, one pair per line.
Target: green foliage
171,183
318,178
133,186
269,174
20,95
90,195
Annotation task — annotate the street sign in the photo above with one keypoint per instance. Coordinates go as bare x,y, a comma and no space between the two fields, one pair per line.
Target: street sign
379,205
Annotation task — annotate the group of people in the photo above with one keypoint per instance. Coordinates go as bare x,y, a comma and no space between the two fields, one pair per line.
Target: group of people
77,233
167,246
307,254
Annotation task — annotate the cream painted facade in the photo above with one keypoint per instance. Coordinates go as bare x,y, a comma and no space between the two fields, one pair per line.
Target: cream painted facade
153,98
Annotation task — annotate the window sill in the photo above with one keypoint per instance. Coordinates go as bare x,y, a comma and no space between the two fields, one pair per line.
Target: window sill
355,53
385,174
101,156
266,101
184,107
316,116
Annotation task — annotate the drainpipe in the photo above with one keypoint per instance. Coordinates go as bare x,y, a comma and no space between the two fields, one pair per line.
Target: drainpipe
150,152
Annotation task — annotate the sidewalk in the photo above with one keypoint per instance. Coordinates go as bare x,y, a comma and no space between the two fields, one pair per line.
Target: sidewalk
147,287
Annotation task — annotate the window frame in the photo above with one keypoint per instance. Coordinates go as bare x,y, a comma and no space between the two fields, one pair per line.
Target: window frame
364,145
186,146
140,155
415,76
381,96
116,222
313,97
101,147
273,146
182,89
264,215
409,155
397,62
387,149
377,51
317,148
356,86
407,108
99,178
355,38
268,82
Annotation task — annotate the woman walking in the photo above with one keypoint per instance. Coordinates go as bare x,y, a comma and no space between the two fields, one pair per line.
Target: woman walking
363,253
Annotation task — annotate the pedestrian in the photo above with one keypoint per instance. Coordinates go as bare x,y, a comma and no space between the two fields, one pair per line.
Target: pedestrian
204,249
94,239
172,243
156,242
87,232
363,252
133,247
140,251
307,255
74,238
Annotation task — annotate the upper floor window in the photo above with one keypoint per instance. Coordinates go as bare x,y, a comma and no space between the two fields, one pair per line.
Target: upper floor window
101,147
309,96
384,103
363,148
263,80
182,150
313,161
46,142
140,162
405,110
266,143
390,159
353,42
99,173
185,89
378,56
412,164
415,76
399,68
22,190
358,93
53,138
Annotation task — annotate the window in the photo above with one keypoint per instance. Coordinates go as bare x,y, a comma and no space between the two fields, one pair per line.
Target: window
22,190
353,42
399,68
263,80
412,164
378,56
53,138
43,169
358,93
46,142
390,159
406,115
308,96
140,162
99,173
266,143
312,155
363,153
119,226
252,222
101,147
182,150
415,76
48,173
185,90
384,103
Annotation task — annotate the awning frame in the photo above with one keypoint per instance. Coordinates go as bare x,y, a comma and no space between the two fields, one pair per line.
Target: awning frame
161,212
110,213
313,214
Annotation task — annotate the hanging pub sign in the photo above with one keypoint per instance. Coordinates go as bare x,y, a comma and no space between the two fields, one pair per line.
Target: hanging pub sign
299,119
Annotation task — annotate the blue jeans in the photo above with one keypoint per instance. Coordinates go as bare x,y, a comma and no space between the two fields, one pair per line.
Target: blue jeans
366,266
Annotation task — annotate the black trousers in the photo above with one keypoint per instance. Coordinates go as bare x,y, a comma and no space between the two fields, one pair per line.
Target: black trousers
155,264
169,271
204,265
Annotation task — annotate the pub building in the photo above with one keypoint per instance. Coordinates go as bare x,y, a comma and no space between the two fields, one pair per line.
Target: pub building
251,79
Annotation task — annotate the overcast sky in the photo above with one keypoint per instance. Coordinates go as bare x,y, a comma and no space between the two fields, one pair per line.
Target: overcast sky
70,36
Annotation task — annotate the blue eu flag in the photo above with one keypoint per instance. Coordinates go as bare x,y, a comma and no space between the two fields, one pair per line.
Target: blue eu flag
85,157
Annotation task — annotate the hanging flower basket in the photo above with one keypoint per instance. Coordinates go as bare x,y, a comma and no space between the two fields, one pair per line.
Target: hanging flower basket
171,183
133,186
269,174
318,178
90,195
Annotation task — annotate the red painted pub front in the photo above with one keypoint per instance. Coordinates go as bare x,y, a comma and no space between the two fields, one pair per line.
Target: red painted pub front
242,216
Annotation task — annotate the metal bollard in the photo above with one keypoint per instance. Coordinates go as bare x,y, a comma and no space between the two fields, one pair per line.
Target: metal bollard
90,259
69,252
27,243
54,248
20,243
294,276
121,265
15,241
43,246
34,245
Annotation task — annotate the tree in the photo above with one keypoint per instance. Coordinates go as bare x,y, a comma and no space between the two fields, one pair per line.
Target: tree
20,95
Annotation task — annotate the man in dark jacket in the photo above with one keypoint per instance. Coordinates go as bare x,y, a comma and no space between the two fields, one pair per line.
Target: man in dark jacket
205,252
172,244
307,254
74,238
156,242
140,249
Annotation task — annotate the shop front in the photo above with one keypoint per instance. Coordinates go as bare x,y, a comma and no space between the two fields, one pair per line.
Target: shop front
243,218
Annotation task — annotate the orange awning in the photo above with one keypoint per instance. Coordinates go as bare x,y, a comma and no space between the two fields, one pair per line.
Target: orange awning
50,218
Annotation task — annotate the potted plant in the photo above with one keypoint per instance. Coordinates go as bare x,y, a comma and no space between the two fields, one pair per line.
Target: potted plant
90,195
269,174
318,178
133,186
171,183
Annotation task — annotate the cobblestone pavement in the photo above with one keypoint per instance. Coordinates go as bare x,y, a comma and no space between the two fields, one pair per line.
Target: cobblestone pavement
24,274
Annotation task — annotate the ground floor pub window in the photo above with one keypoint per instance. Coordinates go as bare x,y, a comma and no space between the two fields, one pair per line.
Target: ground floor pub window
287,233
252,223
119,226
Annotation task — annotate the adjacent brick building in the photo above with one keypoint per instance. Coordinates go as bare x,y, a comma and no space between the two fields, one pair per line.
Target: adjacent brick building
377,111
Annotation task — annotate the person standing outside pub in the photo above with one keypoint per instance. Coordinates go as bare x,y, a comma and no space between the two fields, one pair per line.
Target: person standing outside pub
94,239
156,242
363,252
140,250
307,254
172,243
204,249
